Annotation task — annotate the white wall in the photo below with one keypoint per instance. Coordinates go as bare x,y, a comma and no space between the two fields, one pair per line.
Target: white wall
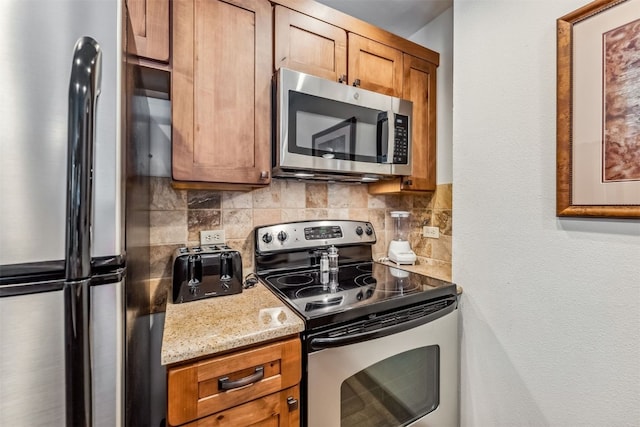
551,307
438,36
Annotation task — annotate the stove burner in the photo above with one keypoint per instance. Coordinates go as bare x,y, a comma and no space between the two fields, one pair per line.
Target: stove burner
365,280
319,290
365,267
295,280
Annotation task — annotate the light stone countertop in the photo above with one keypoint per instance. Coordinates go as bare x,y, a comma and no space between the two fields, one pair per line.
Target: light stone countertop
209,326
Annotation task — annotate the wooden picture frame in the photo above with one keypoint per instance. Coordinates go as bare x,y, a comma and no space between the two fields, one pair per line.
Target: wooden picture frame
589,135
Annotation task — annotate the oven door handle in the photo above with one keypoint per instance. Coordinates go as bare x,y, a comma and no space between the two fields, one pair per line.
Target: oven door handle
321,343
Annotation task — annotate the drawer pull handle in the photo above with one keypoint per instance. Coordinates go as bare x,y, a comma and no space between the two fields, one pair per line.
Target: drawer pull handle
225,384
292,403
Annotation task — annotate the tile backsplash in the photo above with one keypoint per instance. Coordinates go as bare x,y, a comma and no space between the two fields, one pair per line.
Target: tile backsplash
177,217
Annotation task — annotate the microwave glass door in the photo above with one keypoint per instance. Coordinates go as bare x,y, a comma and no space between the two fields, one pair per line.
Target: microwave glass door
330,129
394,391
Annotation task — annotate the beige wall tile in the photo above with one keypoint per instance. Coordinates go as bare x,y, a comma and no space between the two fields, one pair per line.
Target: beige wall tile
359,214
376,201
268,197
202,219
177,216
358,196
266,216
441,248
237,200
316,196
316,214
338,213
237,223
443,220
160,260
167,227
293,194
288,215
337,196
444,196
164,197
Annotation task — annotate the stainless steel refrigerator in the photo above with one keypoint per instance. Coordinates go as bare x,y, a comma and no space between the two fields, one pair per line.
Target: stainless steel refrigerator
62,245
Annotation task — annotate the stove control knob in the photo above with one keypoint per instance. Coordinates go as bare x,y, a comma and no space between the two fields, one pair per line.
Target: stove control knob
368,230
359,296
359,231
282,236
267,238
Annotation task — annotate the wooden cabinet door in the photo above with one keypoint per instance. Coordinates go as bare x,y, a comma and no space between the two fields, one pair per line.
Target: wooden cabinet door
220,91
274,410
149,29
308,45
378,67
419,86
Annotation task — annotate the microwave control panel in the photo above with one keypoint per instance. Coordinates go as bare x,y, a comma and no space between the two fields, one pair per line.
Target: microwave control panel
401,143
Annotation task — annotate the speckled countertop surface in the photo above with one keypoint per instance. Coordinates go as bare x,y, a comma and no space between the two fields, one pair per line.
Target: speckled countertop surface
205,327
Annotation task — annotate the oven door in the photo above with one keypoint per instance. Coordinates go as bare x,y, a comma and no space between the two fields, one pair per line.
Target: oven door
404,378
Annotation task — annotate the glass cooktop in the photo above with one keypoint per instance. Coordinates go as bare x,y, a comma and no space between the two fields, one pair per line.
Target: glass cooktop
361,289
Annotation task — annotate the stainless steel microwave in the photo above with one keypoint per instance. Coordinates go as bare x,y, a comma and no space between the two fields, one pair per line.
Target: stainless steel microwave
325,130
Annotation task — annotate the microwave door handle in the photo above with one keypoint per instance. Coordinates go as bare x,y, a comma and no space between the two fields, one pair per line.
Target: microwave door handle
391,137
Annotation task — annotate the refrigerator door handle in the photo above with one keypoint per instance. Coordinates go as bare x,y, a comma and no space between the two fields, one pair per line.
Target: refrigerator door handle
84,88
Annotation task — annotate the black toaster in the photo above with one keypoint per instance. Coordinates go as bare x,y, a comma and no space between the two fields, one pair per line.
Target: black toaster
206,271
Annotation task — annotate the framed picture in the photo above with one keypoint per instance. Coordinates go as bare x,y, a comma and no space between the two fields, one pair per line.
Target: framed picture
598,110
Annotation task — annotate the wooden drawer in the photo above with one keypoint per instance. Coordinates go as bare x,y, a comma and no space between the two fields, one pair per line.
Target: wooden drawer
274,410
197,389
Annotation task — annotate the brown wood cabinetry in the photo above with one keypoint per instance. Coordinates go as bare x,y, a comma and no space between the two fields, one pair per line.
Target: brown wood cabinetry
309,45
149,29
254,387
221,91
376,61
375,66
312,46
419,86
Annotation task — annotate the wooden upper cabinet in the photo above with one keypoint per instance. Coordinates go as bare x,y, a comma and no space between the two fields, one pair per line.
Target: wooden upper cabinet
308,45
220,91
419,86
378,67
149,26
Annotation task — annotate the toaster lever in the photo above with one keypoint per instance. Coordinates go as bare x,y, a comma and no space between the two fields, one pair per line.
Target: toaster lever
195,270
226,266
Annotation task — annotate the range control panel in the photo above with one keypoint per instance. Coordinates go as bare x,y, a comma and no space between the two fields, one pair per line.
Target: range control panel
311,234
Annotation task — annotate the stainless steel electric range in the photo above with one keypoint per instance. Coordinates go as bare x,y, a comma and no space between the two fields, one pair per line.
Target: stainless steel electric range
380,346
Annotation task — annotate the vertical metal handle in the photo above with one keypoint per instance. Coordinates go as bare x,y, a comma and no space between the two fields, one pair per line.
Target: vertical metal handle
226,266
84,88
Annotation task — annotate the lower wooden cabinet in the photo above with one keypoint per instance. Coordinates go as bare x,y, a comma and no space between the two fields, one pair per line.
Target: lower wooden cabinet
258,386
274,410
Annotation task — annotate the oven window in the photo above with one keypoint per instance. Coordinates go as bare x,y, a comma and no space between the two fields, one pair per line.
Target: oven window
393,392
